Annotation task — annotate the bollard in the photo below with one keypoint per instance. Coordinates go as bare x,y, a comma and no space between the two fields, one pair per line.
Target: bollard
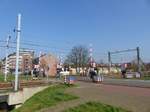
65,80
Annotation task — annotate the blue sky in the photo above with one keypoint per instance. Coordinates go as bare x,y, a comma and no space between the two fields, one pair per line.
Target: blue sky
60,24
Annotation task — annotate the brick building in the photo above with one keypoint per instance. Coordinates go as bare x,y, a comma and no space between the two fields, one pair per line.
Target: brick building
49,64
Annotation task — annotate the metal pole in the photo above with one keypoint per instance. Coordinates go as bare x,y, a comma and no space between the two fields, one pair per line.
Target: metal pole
138,59
6,61
91,55
5,79
39,67
109,61
17,50
128,50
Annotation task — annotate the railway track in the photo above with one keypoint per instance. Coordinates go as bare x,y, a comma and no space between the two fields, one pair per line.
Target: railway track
22,84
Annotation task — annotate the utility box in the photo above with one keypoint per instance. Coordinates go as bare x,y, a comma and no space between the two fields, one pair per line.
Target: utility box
137,75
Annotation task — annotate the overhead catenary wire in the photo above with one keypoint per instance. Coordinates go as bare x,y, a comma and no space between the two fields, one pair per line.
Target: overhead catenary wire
40,48
36,45
48,48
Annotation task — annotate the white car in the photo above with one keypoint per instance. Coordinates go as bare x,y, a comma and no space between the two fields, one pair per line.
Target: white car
64,73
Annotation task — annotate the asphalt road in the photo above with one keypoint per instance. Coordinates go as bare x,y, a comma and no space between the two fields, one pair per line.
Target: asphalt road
122,82
128,82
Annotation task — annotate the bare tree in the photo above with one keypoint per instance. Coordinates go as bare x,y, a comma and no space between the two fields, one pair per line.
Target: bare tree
78,57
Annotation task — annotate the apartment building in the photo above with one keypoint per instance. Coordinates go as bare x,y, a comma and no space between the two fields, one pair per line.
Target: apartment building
25,61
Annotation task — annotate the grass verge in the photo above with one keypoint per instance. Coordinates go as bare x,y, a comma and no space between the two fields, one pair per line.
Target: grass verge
46,98
11,77
95,107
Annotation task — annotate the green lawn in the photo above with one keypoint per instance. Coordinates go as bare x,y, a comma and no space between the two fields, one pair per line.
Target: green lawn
95,107
46,98
11,77
1,77
146,78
